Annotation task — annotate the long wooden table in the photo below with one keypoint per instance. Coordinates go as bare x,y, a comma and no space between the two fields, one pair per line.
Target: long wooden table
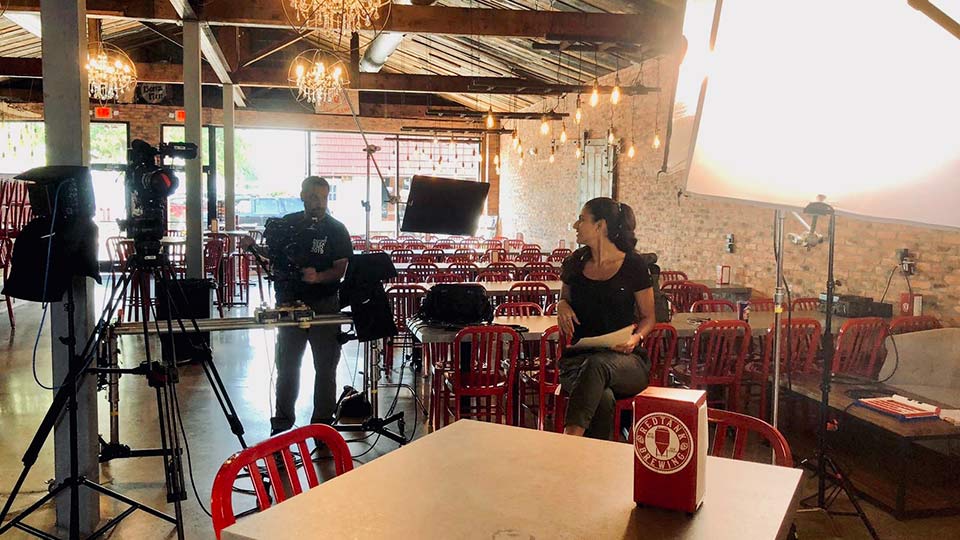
487,481
495,288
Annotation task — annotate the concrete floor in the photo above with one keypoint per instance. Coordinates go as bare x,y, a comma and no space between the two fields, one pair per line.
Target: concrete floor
244,359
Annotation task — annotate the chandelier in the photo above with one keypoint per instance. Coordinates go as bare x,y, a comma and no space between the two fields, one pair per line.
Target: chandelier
110,73
344,15
318,77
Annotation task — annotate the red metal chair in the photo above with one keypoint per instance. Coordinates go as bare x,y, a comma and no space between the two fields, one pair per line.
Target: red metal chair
493,277
466,254
507,267
515,244
471,244
518,309
436,254
414,245
405,301
445,277
214,252
684,293
916,323
713,306
466,270
421,272
547,380
444,244
805,304
551,309
265,455
859,346
762,305
661,347
438,357
6,251
742,426
672,275
494,255
529,255
359,243
543,276
537,266
487,245
485,379
530,291
559,254
402,255
804,340
719,351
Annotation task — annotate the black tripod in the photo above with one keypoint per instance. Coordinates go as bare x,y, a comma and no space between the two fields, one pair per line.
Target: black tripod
161,375
826,467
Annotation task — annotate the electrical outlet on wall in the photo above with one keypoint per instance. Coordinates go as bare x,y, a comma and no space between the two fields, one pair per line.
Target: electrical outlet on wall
730,243
907,261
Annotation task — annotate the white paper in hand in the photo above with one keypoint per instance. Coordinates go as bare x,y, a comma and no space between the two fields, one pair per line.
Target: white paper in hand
606,341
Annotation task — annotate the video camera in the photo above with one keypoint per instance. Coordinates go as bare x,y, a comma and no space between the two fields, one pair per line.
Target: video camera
148,184
289,248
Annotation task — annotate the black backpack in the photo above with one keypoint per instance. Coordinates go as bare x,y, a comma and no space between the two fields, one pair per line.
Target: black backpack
456,305
661,303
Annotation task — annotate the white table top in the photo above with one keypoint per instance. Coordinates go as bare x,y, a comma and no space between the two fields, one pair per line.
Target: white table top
493,288
480,480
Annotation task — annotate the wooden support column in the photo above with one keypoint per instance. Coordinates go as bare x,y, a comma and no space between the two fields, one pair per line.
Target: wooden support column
229,179
193,130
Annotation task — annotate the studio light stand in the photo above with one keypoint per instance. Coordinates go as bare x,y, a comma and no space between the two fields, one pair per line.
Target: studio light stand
826,468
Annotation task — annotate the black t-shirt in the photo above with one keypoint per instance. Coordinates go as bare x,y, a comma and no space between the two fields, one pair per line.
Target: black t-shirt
604,306
326,240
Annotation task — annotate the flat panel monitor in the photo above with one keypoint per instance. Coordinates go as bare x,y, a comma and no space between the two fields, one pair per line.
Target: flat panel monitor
444,206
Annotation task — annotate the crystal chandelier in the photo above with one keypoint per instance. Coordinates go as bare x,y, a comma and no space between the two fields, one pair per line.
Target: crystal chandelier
344,15
110,73
318,78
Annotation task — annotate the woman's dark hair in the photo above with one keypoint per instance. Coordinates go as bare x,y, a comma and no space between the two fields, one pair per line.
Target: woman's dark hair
620,219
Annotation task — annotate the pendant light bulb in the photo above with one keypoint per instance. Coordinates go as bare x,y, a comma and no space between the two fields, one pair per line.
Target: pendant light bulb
563,133
595,95
578,116
544,126
490,119
615,94
577,153
610,138
521,160
551,158
656,141
496,160
515,140
631,151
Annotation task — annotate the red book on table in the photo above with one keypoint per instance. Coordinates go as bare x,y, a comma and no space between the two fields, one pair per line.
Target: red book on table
670,448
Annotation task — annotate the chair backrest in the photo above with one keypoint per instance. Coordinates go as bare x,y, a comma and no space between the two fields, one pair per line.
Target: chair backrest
529,255
265,454
915,323
858,347
515,244
465,269
537,265
446,277
552,345
491,365
672,275
488,255
401,255
542,276
719,351
405,301
684,293
800,343
359,244
6,251
805,304
488,276
661,346
213,252
529,291
468,254
435,254
487,245
518,309
507,267
444,244
762,304
469,243
561,253
742,426
712,306
421,271
389,245
551,309
416,244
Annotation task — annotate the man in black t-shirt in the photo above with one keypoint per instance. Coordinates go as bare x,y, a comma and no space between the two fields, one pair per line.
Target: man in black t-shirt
327,246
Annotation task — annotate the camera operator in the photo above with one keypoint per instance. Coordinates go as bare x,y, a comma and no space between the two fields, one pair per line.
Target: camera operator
326,246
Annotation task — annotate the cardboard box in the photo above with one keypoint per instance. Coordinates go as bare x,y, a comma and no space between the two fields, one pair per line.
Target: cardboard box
670,448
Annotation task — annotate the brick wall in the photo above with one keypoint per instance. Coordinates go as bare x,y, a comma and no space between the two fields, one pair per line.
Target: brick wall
540,200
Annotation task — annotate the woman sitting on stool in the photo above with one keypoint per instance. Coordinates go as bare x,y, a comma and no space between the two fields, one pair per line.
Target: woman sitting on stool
606,287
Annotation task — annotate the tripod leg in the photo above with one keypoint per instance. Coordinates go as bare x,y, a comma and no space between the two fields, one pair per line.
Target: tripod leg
844,484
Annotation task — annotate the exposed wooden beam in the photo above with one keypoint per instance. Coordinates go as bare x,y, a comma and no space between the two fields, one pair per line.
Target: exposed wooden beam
654,24
382,82
270,50
211,49
156,29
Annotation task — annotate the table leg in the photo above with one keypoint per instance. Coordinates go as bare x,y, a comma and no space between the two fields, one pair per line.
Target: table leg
904,448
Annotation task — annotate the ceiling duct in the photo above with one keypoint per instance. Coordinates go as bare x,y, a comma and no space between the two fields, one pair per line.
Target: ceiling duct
385,44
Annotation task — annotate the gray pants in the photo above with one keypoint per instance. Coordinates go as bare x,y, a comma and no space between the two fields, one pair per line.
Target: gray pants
291,343
595,380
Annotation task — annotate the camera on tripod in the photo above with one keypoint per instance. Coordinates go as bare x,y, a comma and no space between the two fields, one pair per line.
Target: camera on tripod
149,183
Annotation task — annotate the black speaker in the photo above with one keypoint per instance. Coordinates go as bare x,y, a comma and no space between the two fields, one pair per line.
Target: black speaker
198,300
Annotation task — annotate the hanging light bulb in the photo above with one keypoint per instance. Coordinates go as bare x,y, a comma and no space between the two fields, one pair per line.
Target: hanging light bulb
631,151
520,147
498,170
544,126
551,158
563,133
615,93
496,160
656,141
610,138
578,115
516,140
595,95
577,153
490,122
521,160
435,140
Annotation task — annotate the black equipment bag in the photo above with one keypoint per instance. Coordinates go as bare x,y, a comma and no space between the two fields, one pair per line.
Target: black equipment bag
456,304
661,303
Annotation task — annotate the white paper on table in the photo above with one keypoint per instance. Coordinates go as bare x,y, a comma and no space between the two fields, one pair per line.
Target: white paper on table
606,341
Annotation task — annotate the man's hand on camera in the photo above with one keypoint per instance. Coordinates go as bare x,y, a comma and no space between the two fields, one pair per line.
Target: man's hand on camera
310,275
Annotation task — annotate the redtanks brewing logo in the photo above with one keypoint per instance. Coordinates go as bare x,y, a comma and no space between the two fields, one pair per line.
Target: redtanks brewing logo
662,443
